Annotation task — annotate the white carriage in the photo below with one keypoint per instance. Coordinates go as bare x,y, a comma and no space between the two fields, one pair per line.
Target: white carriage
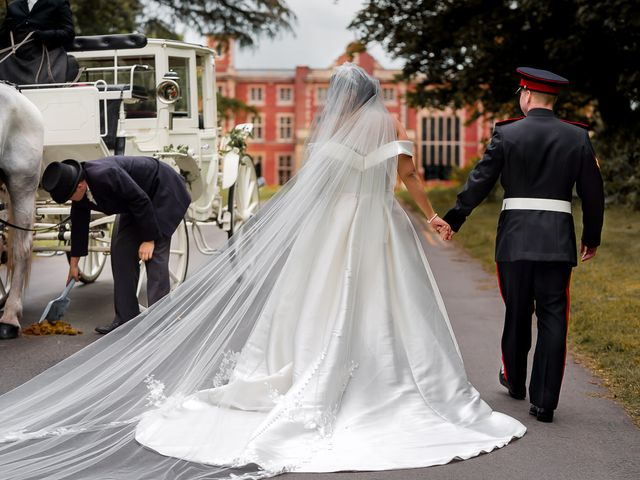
152,98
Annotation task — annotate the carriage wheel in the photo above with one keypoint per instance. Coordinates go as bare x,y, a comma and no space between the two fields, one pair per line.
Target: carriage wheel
244,197
93,263
178,263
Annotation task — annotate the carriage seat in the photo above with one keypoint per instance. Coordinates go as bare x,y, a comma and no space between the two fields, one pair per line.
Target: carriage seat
108,42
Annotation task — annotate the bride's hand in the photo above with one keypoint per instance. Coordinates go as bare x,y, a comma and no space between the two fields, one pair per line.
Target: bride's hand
442,227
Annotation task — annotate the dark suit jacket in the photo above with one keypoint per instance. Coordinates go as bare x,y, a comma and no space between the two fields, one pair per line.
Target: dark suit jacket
150,191
50,19
538,156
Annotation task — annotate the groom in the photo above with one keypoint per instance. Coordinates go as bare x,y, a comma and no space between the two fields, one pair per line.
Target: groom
539,159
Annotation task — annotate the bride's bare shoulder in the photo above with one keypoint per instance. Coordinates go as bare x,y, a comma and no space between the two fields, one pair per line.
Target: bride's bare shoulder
401,133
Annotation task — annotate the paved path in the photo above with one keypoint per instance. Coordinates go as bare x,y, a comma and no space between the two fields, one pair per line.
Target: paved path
591,438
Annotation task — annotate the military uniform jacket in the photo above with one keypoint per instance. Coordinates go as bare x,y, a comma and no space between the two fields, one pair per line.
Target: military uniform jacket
52,19
149,190
537,156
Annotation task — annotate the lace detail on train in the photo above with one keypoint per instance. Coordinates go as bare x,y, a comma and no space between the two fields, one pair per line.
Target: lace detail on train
227,366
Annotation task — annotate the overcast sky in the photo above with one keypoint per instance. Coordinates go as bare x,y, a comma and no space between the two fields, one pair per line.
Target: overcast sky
321,35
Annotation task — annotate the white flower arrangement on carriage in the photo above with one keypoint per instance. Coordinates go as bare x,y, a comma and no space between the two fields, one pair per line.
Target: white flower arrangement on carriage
139,96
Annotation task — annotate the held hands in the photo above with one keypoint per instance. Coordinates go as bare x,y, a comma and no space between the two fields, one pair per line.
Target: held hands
442,227
587,252
145,252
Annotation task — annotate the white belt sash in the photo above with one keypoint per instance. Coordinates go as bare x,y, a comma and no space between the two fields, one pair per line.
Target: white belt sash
545,204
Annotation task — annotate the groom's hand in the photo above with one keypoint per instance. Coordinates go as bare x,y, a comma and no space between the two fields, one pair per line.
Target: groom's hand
442,227
587,252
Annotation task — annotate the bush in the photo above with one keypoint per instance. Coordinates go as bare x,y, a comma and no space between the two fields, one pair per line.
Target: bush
460,175
619,157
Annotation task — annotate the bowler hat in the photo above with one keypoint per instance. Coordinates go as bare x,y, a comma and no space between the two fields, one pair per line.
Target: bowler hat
60,179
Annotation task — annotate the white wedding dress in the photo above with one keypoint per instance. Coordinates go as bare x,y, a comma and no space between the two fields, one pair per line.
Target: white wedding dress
317,341
341,374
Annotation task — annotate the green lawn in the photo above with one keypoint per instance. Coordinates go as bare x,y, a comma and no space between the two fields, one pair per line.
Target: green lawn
605,294
268,191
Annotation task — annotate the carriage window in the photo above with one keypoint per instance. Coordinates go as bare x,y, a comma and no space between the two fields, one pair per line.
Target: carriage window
200,79
144,81
180,65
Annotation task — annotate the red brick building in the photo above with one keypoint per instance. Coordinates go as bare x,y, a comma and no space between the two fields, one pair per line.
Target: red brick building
287,101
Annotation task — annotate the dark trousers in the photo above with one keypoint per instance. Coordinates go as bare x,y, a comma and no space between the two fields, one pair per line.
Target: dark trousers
542,287
126,269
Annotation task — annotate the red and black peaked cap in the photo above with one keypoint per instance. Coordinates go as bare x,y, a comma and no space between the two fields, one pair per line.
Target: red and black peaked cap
541,80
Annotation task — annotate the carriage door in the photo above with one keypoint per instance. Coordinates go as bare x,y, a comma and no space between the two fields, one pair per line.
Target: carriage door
207,117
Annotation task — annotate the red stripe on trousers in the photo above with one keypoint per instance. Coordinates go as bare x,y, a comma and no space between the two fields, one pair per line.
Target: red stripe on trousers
564,362
504,368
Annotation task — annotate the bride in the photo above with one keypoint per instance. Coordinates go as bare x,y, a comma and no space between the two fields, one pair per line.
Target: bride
317,341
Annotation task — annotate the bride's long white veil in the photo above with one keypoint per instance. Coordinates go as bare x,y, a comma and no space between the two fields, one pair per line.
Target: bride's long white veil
206,340
78,419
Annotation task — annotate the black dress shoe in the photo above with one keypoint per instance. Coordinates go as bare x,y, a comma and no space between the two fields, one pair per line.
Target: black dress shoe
512,393
8,331
108,328
542,414
545,415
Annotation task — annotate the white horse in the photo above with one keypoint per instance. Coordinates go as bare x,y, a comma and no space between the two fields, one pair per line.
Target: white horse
21,149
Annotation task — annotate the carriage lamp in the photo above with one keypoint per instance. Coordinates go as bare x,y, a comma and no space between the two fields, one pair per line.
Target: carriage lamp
168,90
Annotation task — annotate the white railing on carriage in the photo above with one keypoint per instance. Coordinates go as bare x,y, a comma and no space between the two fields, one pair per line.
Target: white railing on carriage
105,94
116,69
101,85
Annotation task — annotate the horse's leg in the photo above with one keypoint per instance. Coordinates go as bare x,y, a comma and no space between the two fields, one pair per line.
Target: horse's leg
22,193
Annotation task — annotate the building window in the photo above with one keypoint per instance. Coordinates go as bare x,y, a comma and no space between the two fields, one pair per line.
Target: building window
256,95
285,168
221,90
285,127
389,94
321,95
285,95
440,145
258,127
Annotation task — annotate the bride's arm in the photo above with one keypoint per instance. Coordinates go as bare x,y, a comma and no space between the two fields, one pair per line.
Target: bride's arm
407,172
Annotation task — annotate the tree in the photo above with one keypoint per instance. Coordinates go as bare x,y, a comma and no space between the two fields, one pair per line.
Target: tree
244,20
228,106
102,17
465,52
